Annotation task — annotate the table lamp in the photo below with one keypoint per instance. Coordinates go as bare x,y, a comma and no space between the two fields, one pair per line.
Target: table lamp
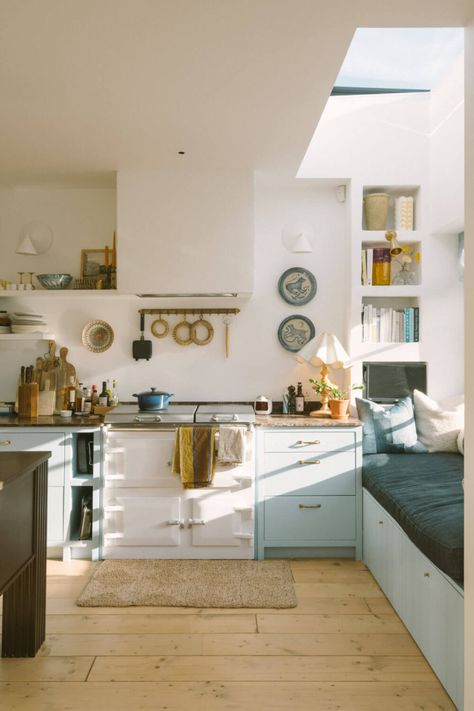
322,351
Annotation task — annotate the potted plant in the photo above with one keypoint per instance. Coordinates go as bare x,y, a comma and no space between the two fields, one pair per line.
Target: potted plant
339,401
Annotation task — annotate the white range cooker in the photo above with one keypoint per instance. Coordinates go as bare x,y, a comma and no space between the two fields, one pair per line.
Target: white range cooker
148,513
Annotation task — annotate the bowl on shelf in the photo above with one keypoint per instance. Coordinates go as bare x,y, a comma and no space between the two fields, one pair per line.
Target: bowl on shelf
54,281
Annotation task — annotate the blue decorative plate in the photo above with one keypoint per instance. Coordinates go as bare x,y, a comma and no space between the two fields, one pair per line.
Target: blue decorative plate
294,332
297,286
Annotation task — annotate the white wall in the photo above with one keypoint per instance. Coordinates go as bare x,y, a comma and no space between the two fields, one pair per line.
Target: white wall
79,219
257,363
469,354
385,141
447,152
185,231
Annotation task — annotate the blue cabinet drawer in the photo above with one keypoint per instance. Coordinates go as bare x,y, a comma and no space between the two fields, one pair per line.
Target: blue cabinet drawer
309,518
56,443
323,473
308,440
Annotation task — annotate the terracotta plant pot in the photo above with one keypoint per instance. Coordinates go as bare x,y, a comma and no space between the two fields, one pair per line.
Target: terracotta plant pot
339,408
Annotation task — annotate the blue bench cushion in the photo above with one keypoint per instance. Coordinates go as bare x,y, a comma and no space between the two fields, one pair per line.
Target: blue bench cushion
424,494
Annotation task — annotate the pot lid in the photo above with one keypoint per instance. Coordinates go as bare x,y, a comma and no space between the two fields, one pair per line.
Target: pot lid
153,391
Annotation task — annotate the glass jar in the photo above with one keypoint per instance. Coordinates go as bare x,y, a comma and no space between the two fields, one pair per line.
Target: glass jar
381,266
404,277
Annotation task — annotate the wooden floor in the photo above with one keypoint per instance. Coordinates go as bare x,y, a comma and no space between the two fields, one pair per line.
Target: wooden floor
343,648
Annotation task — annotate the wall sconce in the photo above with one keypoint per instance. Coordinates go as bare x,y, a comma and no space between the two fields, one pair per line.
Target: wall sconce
35,238
391,236
297,237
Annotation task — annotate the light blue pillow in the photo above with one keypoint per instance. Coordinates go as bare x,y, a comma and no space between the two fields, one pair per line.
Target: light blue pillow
389,429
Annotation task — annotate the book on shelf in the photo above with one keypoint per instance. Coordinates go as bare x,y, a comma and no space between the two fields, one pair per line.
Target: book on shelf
390,325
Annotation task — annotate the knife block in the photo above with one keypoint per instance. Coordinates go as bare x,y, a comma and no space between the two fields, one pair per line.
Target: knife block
28,400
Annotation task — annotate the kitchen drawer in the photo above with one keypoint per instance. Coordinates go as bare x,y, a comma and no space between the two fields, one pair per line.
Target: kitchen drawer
307,440
322,473
39,442
309,518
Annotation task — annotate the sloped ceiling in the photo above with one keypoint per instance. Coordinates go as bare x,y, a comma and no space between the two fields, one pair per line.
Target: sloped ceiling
99,85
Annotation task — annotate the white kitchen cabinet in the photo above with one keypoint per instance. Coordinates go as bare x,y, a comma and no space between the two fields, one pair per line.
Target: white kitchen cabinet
148,514
185,232
309,491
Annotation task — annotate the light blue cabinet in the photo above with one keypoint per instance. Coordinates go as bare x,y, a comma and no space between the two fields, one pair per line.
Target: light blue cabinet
430,604
69,482
309,492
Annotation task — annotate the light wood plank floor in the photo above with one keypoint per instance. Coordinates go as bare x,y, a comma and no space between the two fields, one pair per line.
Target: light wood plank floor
343,647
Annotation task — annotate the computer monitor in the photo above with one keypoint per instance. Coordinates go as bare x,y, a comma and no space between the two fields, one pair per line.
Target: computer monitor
388,382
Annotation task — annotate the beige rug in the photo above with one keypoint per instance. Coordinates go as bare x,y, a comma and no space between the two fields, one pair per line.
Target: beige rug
190,583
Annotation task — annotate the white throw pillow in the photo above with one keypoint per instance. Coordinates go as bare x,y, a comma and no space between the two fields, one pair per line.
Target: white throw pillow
438,426
460,442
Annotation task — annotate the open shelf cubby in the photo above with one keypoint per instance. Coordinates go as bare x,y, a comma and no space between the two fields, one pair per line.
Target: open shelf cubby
414,251
390,319
80,524
394,192
83,455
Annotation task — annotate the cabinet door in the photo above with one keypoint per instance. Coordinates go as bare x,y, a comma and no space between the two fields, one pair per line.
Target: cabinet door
323,473
140,459
56,443
55,515
214,521
149,521
310,518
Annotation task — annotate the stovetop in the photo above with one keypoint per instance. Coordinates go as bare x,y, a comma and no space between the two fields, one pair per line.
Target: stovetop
181,414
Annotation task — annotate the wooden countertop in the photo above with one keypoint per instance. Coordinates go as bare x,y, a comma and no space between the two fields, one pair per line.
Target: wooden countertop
304,421
51,421
14,464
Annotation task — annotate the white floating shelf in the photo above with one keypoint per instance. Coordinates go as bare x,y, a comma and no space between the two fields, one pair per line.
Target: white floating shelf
410,291
54,293
27,336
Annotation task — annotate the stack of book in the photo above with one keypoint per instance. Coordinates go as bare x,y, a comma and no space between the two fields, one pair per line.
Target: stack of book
388,325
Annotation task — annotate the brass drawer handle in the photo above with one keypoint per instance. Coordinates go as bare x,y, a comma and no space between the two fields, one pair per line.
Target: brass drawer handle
311,441
308,461
5,442
309,506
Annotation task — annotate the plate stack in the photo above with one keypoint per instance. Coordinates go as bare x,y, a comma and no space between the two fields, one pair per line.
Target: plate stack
4,322
28,323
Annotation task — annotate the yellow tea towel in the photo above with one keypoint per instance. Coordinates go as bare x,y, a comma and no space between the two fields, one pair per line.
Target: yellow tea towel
194,458
232,441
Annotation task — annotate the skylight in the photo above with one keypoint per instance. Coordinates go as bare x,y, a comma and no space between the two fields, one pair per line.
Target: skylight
406,59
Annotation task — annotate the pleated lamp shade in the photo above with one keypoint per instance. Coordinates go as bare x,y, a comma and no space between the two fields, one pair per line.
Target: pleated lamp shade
323,349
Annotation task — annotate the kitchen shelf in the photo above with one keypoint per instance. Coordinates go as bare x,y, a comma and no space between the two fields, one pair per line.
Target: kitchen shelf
409,291
27,336
54,293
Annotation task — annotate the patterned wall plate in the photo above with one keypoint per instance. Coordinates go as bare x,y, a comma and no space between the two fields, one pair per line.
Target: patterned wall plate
294,332
97,336
297,286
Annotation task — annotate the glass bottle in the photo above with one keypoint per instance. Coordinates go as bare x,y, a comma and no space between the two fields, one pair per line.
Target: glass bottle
299,400
104,400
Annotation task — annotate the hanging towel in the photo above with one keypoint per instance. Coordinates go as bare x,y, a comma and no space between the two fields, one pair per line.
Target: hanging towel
232,441
194,458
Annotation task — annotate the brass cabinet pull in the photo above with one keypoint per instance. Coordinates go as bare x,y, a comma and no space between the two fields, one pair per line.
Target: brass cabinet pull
309,506
311,441
308,461
5,442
